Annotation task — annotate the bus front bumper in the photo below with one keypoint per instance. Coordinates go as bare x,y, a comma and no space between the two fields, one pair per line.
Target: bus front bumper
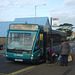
24,60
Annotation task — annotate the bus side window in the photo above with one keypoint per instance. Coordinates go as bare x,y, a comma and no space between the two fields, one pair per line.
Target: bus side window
56,40
37,45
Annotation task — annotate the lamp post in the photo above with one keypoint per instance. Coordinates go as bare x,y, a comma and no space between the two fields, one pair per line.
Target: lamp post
51,41
35,10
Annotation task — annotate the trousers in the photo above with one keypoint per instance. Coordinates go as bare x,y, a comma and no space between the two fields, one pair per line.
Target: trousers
64,60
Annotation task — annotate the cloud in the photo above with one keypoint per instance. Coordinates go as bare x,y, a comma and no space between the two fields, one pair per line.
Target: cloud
67,5
19,3
65,13
70,3
10,9
65,17
55,9
4,3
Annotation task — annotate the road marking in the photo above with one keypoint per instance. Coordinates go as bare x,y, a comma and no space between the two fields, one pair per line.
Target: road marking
19,71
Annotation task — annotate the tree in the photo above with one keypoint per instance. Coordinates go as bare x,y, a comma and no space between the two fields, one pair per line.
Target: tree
67,28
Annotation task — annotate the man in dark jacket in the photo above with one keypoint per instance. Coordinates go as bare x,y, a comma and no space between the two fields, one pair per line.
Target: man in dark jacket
64,51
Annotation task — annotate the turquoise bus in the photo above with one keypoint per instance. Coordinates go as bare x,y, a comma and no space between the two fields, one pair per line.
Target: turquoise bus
30,42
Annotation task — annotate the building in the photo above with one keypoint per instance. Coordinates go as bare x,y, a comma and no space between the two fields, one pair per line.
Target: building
5,25
39,20
73,35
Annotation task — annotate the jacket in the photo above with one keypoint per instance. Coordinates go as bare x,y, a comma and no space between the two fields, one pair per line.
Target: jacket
65,48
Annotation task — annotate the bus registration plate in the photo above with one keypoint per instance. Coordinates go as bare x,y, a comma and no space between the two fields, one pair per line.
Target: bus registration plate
18,60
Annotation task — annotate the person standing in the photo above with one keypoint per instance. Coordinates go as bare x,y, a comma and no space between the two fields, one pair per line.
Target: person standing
50,56
64,52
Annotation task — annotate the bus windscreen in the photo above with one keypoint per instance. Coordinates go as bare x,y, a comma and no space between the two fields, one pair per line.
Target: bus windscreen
21,41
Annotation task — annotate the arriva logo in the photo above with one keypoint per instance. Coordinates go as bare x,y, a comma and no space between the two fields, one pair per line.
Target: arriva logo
18,55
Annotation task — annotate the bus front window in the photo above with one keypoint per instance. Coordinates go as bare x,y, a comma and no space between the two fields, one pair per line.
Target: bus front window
21,41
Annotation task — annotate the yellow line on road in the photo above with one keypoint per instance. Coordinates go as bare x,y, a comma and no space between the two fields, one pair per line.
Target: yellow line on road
19,71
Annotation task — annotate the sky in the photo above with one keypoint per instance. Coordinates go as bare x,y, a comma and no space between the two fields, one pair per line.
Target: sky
62,9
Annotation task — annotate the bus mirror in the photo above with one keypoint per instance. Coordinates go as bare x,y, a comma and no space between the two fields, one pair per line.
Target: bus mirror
41,36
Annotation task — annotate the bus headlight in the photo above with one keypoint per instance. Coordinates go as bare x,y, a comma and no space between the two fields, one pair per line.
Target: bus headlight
31,58
32,55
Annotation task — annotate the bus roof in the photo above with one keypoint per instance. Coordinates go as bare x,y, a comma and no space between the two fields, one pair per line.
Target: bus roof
59,32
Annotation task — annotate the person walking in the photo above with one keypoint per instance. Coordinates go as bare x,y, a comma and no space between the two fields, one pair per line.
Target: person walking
64,52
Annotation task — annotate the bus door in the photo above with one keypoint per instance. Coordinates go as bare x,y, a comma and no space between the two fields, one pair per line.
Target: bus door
43,43
40,46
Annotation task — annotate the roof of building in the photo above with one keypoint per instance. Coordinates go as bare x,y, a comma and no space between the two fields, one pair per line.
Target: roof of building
4,26
33,20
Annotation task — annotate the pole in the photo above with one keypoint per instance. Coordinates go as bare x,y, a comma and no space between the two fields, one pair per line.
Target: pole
35,14
51,41
35,11
51,25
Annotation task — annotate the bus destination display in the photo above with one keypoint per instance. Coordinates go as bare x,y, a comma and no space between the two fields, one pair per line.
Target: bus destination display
23,27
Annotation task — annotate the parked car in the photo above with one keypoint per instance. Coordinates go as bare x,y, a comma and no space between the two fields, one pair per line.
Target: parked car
1,46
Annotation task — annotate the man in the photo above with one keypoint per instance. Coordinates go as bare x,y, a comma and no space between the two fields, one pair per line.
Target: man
64,51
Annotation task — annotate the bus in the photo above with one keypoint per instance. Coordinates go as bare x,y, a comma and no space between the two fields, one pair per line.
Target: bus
30,42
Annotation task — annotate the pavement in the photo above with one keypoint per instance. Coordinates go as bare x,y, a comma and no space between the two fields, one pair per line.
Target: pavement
50,69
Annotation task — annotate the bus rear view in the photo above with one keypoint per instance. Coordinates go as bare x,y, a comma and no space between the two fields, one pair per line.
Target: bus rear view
20,42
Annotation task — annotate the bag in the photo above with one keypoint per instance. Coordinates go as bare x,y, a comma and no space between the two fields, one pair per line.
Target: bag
70,58
59,58
51,51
